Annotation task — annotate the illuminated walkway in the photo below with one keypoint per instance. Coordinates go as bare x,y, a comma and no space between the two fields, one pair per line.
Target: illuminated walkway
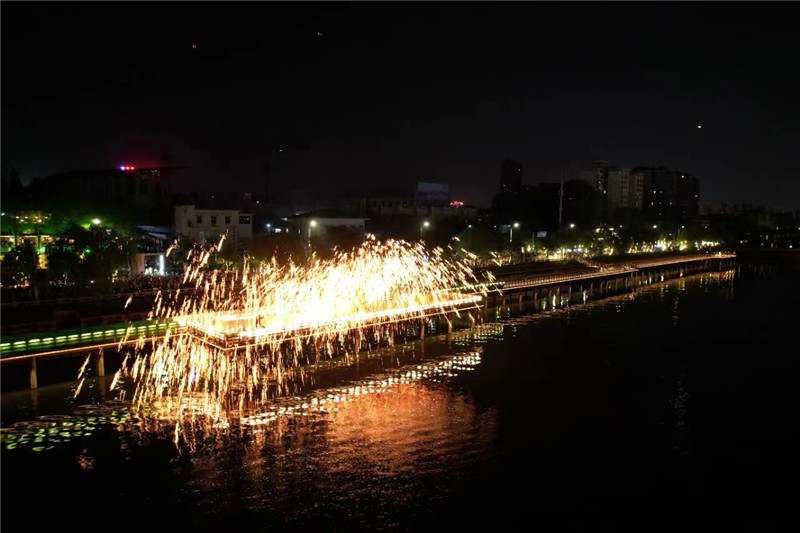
607,271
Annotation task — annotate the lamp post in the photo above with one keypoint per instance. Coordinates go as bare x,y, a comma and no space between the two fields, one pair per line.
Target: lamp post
422,228
311,224
511,232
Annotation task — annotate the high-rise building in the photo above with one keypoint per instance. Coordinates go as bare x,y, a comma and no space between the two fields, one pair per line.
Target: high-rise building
670,195
510,176
625,189
596,174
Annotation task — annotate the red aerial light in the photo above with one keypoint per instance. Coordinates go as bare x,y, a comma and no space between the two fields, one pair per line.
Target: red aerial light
194,47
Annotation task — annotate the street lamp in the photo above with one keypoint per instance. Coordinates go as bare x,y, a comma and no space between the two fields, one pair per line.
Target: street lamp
511,232
572,225
311,224
96,221
422,228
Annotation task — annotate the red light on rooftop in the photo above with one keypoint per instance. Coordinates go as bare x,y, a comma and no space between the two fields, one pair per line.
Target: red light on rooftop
194,47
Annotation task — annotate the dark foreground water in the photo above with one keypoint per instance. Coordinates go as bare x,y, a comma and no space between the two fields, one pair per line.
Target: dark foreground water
666,409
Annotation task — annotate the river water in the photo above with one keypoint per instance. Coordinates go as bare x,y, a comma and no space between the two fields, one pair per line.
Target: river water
669,407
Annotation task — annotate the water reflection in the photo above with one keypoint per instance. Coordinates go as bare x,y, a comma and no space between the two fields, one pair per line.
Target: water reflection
679,425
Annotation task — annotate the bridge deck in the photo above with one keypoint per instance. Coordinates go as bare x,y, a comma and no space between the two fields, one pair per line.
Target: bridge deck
605,271
78,338
233,332
66,341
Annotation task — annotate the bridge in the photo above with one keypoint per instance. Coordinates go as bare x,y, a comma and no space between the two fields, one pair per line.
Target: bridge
599,271
241,331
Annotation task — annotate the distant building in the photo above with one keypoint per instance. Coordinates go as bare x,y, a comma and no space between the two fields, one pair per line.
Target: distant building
208,225
431,200
596,174
325,219
140,187
670,195
721,208
625,189
436,194
510,176
334,228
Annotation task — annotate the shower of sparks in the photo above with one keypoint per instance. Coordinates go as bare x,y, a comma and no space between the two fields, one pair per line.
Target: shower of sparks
242,330
79,387
81,376
83,366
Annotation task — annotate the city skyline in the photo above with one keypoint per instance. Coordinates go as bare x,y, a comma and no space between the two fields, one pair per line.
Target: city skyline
270,98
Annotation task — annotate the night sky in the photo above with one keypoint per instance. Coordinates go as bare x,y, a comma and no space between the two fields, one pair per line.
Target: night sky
335,98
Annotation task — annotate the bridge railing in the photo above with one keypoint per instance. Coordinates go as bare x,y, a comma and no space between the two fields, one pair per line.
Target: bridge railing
548,280
60,340
95,298
686,259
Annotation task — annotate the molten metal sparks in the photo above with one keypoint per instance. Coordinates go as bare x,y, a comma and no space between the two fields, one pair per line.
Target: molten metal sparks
83,366
244,329
78,389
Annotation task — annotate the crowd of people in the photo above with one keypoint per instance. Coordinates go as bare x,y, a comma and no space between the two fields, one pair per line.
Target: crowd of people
128,285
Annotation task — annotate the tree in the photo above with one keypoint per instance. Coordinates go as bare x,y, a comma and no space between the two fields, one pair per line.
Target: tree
19,266
479,240
583,204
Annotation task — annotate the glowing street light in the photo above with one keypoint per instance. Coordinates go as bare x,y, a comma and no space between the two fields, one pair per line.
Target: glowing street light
96,221
511,232
572,225
311,224
422,228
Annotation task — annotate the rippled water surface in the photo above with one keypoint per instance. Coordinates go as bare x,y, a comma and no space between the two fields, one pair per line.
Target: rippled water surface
662,409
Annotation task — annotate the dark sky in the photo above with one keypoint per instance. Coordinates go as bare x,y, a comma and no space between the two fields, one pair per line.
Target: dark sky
394,93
